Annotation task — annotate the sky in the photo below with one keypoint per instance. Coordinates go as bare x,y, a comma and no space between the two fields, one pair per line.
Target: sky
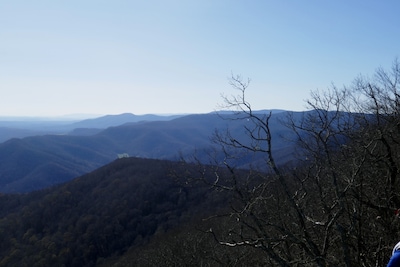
60,57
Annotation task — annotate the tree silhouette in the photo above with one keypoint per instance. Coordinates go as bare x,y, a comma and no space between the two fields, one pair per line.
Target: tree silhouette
336,206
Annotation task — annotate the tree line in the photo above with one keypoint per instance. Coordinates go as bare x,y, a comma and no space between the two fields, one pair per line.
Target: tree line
338,205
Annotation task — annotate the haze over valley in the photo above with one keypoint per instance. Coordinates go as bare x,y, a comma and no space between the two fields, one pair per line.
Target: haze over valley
202,133
68,150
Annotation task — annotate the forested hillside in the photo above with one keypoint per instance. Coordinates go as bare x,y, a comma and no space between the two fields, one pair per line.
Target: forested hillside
100,214
336,204
338,207
19,127
37,162
208,133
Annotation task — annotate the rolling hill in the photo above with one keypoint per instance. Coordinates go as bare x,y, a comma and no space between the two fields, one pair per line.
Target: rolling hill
23,127
37,162
100,214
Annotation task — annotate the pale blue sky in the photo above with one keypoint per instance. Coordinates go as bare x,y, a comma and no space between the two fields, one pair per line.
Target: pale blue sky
109,57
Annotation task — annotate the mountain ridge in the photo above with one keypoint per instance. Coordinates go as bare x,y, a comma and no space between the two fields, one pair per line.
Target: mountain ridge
21,127
35,162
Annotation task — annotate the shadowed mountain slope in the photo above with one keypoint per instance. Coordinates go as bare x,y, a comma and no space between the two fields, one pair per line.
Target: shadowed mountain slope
24,127
115,120
37,162
100,214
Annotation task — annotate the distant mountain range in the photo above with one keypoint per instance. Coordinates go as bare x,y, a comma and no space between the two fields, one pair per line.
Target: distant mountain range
115,120
37,162
20,127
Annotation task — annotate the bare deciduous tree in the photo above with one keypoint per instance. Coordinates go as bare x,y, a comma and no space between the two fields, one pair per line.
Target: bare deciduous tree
336,207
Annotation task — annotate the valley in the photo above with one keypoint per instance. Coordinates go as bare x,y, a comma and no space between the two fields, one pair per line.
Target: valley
36,162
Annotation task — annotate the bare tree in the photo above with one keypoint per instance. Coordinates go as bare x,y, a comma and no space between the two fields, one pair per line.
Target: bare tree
335,208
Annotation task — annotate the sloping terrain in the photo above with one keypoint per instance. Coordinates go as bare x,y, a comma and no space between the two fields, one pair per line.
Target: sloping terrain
40,161
24,127
100,214
37,162
7,133
115,120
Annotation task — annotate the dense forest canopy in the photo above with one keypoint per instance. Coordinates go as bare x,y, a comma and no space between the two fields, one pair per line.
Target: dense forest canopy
336,205
100,214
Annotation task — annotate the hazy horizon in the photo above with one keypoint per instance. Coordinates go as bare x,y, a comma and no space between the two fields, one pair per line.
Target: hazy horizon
83,116
171,57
